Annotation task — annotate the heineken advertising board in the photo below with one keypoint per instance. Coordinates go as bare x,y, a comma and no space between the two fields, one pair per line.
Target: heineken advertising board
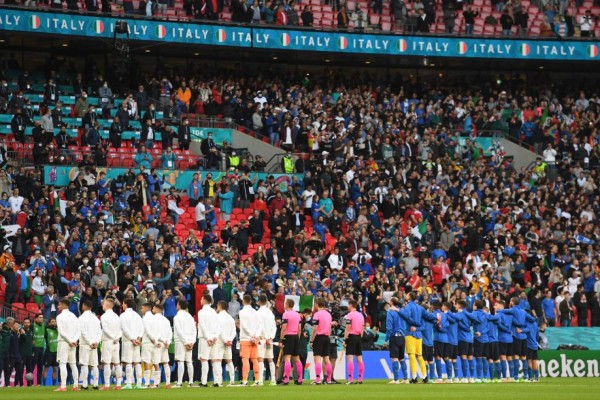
569,363
272,38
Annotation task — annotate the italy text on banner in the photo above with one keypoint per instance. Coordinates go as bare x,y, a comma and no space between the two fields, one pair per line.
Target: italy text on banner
301,302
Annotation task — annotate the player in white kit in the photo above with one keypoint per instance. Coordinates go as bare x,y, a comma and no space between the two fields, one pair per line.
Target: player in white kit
165,338
132,328
265,346
222,350
208,331
68,336
111,338
90,337
150,345
184,328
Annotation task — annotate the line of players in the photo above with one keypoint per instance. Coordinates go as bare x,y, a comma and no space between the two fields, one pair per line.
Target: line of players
491,347
133,341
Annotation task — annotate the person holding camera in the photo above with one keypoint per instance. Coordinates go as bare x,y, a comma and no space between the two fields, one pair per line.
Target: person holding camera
586,24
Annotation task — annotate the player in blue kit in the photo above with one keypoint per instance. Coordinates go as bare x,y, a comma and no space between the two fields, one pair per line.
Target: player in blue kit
519,348
505,341
451,353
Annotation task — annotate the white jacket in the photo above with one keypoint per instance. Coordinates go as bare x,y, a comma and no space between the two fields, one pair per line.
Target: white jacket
184,327
166,332
250,324
68,327
267,321
208,327
227,324
90,328
151,329
111,326
132,325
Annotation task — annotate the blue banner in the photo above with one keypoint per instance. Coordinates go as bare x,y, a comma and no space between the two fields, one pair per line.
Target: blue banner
180,180
98,26
300,40
340,42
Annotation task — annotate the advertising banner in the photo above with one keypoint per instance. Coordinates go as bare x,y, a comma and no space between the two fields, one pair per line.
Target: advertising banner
300,40
99,26
552,364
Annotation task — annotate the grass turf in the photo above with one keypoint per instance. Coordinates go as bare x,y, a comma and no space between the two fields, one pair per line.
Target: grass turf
547,389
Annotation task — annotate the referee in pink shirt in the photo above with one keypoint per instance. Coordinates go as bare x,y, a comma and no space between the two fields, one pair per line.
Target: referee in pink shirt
353,341
320,341
290,335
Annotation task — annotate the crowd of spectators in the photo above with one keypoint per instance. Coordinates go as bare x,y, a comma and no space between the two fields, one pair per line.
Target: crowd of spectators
389,199
559,18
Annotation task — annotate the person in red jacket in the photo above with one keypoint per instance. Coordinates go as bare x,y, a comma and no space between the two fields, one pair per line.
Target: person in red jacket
281,17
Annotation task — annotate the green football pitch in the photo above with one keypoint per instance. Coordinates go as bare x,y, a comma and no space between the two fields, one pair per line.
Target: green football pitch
547,389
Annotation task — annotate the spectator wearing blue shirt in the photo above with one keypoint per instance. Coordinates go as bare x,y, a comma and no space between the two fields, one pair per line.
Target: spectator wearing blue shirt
170,303
549,309
143,158
438,252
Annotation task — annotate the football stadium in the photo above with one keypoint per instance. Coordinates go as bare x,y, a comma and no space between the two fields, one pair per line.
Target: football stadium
287,197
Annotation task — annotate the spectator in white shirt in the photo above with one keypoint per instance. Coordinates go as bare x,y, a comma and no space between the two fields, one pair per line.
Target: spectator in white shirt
336,261
15,202
586,24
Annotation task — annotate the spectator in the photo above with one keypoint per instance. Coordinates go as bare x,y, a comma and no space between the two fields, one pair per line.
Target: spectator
359,18
143,158
469,14
586,24
422,22
521,20
506,21
342,18
281,17
307,16
168,159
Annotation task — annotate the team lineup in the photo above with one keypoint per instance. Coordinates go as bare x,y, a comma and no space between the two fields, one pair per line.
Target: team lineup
444,343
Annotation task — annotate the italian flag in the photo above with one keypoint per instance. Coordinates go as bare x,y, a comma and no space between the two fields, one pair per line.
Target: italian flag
34,22
593,51
285,40
302,302
402,45
221,36
524,49
462,47
343,43
161,31
98,27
